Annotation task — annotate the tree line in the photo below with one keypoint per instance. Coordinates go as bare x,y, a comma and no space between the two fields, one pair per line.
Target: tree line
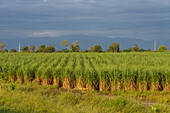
74,47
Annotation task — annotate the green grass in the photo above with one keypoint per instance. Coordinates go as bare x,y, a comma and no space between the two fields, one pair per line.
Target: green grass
33,98
144,96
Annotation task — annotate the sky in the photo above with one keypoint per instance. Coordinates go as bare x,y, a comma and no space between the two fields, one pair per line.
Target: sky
140,19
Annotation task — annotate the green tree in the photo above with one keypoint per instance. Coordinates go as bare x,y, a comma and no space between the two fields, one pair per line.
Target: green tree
75,43
25,49
5,50
96,48
162,48
74,47
135,48
149,50
91,49
142,50
13,50
65,43
2,46
127,50
41,48
53,48
85,51
114,48
49,49
32,48
65,50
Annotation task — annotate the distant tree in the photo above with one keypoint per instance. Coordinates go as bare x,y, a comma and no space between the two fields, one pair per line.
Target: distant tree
75,43
53,49
142,50
91,49
49,49
162,48
96,48
44,49
65,50
58,51
135,48
41,48
13,50
114,48
149,50
5,50
107,51
74,47
25,49
32,48
85,51
65,43
2,46
127,50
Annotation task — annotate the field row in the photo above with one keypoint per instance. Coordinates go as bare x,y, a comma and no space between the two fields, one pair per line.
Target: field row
98,71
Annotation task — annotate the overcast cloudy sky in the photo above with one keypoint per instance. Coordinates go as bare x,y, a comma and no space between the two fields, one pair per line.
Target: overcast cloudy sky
143,19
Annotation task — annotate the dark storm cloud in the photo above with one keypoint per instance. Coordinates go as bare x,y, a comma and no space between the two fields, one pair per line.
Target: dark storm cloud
145,19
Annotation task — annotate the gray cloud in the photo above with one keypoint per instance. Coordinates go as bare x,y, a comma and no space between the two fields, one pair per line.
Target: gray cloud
145,19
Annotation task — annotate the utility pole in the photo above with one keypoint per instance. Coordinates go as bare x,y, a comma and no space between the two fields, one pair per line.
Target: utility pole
155,45
19,47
